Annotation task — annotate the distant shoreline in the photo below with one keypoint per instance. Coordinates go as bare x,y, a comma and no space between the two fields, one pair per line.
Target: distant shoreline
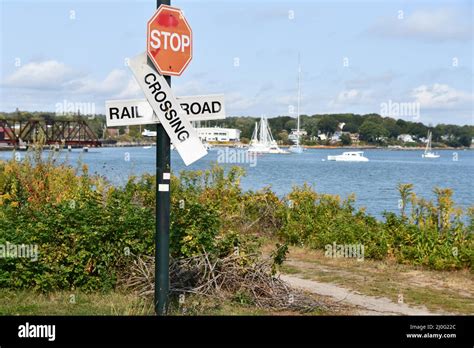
237,145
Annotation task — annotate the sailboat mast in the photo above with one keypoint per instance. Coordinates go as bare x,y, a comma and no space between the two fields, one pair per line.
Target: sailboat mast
428,144
298,104
255,134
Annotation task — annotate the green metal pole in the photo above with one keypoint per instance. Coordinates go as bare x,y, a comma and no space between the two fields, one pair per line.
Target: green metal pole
162,236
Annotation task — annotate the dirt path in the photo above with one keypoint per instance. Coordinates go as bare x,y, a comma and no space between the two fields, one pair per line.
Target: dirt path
366,305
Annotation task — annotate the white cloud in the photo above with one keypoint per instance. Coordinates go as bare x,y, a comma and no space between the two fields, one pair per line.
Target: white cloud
116,81
352,97
365,80
238,103
132,90
348,96
63,80
49,74
190,87
441,24
440,96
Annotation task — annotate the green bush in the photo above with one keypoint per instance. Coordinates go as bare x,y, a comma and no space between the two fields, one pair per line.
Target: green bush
314,220
87,231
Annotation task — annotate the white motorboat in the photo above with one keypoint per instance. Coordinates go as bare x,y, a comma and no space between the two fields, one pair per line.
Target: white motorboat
428,152
262,140
349,156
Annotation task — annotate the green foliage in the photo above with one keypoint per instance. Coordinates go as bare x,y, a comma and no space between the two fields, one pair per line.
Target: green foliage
279,256
346,139
434,234
315,220
327,124
87,231
372,131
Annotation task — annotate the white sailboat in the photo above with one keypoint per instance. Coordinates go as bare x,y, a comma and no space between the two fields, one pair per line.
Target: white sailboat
262,139
297,148
428,152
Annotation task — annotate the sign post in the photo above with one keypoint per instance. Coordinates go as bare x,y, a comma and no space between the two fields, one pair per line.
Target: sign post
162,210
169,51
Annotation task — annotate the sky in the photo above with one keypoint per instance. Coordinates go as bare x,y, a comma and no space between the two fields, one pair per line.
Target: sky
355,56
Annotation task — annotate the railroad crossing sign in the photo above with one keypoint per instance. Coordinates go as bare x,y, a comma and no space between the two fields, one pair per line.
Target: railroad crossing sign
138,111
167,108
169,41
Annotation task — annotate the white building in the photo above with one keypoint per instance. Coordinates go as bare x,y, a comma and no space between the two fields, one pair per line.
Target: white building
406,138
322,136
218,134
294,134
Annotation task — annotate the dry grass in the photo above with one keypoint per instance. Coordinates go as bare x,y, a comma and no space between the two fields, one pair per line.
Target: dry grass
448,291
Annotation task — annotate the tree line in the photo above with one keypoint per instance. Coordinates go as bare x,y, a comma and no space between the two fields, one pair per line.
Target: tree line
372,128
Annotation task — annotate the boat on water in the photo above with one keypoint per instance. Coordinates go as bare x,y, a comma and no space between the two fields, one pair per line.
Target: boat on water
147,147
297,147
428,152
349,156
262,139
148,133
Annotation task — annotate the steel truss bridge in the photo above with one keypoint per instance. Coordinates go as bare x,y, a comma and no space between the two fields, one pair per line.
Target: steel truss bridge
55,132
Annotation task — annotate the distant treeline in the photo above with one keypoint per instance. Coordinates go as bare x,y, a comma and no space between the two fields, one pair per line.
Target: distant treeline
372,128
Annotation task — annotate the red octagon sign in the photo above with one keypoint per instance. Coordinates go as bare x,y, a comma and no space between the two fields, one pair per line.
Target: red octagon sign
169,41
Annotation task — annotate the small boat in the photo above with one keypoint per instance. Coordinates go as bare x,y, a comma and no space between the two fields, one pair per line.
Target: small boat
296,149
349,156
85,149
148,133
147,147
262,140
428,153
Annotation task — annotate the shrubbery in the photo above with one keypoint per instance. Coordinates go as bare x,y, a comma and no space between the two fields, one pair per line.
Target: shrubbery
87,231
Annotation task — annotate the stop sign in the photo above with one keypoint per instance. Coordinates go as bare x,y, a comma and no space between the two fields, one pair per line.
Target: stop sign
169,41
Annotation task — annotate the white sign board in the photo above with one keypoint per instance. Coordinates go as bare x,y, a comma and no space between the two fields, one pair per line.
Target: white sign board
129,113
138,111
203,107
167,108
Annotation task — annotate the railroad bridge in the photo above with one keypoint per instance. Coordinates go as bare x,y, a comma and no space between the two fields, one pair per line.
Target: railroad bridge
56,132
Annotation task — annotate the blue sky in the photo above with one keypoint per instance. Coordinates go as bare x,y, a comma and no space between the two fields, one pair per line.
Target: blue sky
399,51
